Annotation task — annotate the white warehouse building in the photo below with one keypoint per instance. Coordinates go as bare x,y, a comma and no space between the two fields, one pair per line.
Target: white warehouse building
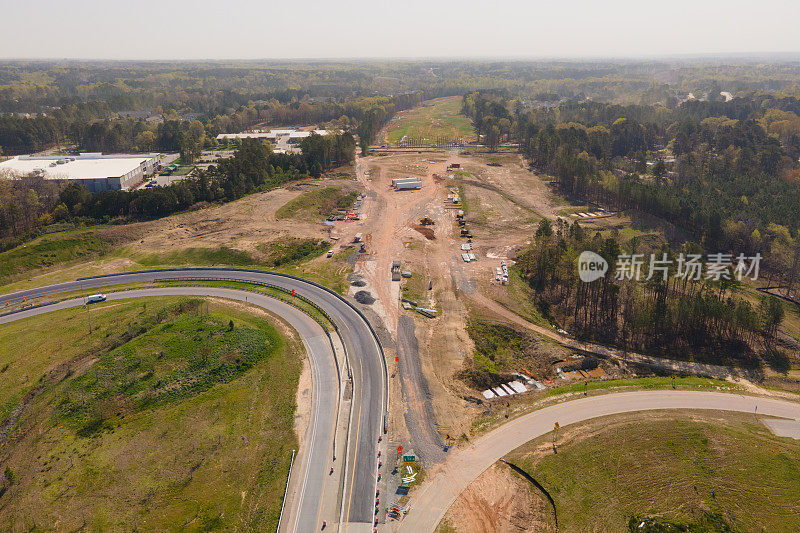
282,140
96,171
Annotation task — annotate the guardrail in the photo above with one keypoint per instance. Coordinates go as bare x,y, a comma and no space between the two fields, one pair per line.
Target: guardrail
285,491
385,367
284,300
279,274
287,301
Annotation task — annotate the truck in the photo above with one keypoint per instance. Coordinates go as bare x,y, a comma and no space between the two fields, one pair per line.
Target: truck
95,298
396,270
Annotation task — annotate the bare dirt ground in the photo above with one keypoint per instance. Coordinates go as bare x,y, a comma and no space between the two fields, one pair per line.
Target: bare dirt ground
241,224
500,500
392,216
501,221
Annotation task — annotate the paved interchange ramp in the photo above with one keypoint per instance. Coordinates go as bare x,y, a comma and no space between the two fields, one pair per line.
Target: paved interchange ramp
432,500
363,353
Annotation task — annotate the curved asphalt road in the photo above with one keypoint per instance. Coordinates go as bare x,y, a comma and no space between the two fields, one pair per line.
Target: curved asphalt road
430,503
365,358
310,469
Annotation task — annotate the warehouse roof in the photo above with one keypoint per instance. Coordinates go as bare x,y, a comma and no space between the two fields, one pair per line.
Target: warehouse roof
83,166
292,134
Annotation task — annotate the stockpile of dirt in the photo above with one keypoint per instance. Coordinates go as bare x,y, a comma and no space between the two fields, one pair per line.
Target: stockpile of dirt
364,297
427,232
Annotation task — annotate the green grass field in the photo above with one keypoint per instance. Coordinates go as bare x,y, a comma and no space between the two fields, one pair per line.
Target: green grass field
50,250
292,250
434,119
274,292
690,473
317,203
165,399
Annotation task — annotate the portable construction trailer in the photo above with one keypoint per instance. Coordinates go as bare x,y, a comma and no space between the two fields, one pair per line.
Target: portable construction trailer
395,181
408,185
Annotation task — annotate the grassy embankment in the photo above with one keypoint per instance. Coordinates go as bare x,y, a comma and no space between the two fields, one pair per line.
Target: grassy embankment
77,252
127,428
689,473
317,203
50,250
433,120
88,251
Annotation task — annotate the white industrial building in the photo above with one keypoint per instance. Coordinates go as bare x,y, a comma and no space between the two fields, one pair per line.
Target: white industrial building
281,140
98,172
272,136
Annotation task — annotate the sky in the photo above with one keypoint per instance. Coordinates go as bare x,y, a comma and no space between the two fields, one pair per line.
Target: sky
295,29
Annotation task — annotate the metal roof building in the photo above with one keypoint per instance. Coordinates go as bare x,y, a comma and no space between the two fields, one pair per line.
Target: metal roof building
271,135
96,171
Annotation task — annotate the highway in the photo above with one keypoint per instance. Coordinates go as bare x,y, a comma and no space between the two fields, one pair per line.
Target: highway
364,355
431,501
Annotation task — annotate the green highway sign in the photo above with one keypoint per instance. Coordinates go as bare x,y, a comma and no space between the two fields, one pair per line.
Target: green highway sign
409,458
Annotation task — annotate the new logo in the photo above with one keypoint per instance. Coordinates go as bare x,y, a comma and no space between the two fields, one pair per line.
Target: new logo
591,266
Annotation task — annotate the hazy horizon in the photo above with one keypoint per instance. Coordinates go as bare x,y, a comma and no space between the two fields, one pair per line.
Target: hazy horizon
359,30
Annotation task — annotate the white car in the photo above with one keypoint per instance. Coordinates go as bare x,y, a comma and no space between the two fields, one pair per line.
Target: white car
95,298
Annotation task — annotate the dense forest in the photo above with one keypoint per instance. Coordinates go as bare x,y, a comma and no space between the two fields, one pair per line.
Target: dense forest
174,106
93,127
667,314
723,175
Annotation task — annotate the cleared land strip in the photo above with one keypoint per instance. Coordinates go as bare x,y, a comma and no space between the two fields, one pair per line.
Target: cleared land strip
431,501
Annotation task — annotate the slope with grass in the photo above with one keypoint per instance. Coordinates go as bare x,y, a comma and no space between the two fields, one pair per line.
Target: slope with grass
128,427
50,250
316,204
438,119
690,472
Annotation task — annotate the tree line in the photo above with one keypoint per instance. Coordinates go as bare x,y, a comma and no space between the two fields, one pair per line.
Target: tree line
729,184
29,204
675,317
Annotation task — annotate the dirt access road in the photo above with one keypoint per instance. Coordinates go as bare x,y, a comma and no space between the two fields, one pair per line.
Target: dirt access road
390,214
428,400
